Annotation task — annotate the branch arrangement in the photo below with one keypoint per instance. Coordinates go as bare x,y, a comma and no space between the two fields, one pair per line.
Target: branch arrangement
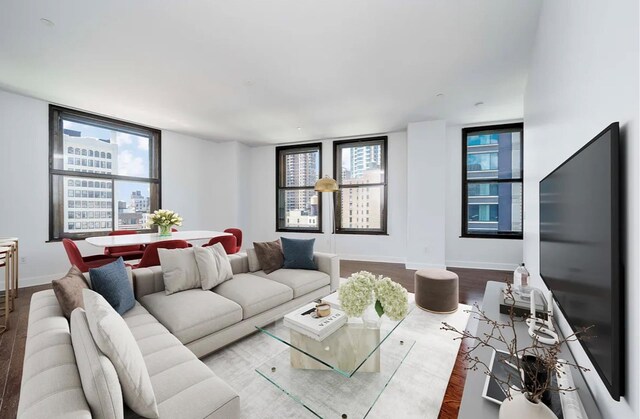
535,378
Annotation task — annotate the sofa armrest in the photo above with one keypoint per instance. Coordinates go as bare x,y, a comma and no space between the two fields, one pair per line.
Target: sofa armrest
329,264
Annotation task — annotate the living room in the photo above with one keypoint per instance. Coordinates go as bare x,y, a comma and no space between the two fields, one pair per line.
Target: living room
227,95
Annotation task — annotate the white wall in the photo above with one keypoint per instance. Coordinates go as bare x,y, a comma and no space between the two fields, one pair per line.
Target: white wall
195,176
389,248
584,75
467,252
426,184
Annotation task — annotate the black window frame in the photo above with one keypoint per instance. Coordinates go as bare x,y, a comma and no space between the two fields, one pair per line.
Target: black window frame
337,175
486,129
279,187
56,192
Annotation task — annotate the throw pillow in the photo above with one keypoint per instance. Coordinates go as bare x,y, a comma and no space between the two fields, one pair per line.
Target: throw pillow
98,375
112,282
115,340
269,255
213,265
298,253
179,269
68,290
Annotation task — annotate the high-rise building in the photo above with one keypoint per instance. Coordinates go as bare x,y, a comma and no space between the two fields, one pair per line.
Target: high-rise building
363,159
301,169
87,204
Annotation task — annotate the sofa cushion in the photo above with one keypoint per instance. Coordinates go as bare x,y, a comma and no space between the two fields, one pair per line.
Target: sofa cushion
113,337
254,294
192,314
298,254
184,387
179,269
99,377
68,290
301,281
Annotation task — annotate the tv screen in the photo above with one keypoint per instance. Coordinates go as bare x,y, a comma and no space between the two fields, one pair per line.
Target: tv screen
579,249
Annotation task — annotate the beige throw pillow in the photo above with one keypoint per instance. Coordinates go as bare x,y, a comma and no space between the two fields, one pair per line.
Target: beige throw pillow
179,269
68,290
97,373
113,337
269,255
213,265
252,258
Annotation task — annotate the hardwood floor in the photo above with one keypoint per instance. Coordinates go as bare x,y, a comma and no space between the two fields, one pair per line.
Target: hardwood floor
472,284
12,342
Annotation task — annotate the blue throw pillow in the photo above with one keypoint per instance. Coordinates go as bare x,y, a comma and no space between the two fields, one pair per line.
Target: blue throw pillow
298,253
112,282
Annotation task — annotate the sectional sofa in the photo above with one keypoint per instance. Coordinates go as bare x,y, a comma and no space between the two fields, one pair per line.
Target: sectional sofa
172,331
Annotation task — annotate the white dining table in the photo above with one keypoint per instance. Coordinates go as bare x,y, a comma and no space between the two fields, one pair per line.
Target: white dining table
147,238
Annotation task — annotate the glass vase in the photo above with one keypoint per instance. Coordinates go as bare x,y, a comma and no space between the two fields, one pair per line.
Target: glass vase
370,318
164,231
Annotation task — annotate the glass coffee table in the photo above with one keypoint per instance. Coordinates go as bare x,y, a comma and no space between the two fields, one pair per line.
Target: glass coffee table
341,376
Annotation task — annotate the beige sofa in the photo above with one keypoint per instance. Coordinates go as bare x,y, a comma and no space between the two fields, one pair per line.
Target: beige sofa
172,331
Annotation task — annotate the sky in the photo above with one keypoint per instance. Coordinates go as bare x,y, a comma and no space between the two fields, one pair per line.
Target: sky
133,156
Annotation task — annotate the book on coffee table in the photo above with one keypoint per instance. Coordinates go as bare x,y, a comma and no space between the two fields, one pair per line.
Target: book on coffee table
305,321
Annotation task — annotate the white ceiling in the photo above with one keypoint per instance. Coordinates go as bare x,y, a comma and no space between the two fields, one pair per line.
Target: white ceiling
255,71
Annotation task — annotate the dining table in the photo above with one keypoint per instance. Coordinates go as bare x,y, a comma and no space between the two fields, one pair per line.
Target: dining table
148,238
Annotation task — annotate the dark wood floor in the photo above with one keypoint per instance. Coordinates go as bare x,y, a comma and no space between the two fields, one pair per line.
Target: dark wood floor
472,284
12,342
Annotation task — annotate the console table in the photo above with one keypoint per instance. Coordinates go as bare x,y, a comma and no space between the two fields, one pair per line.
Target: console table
473,405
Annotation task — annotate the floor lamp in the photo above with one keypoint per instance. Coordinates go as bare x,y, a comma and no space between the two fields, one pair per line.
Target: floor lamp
327,184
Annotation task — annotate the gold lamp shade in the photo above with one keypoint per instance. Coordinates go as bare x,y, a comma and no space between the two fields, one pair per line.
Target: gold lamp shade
326,184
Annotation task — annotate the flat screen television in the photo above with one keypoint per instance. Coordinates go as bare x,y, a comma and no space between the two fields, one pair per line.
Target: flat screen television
580,250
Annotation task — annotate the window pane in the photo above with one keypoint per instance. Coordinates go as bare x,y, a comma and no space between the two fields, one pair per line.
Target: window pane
114,152
299,167
298,209
132,205
87,198
494,156
362,208
361,164
489,213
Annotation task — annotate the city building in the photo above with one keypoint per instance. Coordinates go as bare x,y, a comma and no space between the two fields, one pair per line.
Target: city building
87,202
302,169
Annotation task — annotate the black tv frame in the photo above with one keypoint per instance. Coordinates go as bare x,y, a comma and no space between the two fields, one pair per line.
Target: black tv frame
616,388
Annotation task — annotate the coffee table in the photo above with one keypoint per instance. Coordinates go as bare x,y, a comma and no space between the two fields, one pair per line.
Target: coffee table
341,376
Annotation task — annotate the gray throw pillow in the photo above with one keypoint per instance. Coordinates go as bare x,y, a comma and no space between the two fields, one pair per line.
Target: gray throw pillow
179,270
112,282
298,253
213,265
269,255
68,290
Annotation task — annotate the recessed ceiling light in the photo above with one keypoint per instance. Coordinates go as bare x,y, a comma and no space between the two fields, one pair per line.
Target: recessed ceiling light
299,128
440,95
47,22
477,104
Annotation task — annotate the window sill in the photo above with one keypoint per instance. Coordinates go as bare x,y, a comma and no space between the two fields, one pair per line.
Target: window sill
491,236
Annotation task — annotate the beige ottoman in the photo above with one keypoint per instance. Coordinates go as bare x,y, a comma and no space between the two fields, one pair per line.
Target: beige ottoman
436,290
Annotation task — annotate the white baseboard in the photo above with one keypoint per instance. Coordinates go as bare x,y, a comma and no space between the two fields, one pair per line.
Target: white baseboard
482,265
368,258
416,266
36,280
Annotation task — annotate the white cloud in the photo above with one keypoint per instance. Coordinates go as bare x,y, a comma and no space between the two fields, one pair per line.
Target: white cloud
123,138
143,143
129,165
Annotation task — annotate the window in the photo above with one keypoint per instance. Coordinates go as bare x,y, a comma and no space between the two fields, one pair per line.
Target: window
360,168
492,181
298,205
132,154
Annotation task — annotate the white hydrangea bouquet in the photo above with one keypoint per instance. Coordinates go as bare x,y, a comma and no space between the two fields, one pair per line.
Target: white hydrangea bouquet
165,219
363,289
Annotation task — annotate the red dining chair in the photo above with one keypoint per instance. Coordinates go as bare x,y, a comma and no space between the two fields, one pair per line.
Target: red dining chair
228,242
231,244
87,262
126,252
151,258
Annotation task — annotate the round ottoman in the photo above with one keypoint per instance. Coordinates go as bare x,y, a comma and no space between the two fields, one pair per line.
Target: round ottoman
436,290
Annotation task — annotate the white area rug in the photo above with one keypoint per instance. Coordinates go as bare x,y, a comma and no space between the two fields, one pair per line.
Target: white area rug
416,390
